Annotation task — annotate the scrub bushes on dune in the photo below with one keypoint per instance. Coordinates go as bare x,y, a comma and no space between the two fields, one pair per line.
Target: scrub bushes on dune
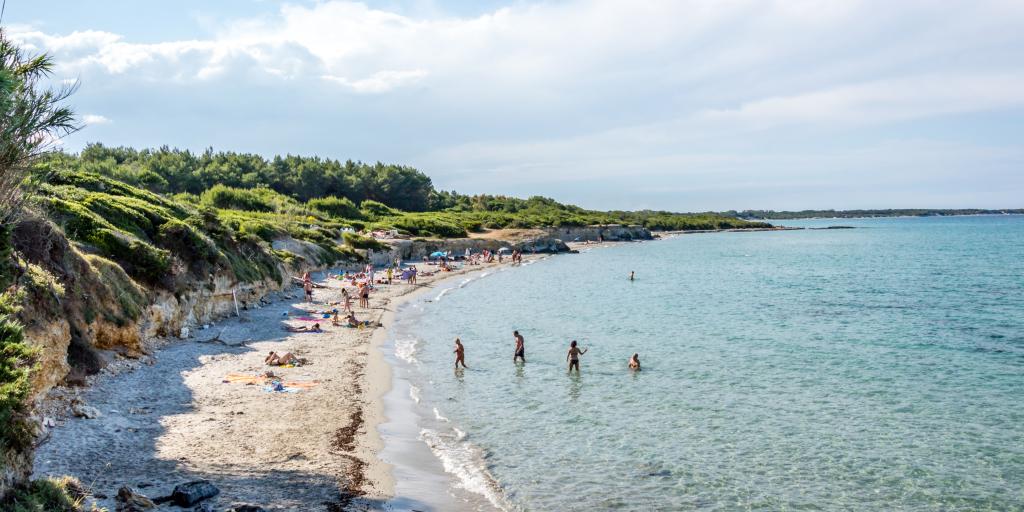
65,494
374,210
254,199
16,363
427,225
340,207
363,242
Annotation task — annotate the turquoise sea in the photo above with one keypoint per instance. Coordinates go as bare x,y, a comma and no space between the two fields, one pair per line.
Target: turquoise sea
876,368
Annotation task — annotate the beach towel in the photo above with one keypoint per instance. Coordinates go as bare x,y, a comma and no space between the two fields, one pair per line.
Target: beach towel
260,379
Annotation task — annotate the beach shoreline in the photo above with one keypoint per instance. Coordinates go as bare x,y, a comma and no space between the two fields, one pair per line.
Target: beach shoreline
176,416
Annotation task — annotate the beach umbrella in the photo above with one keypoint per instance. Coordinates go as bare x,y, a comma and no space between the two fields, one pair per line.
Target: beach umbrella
438,254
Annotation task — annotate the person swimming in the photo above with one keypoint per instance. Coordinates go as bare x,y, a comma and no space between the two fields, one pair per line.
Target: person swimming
460,354
573,356
520,347
634,362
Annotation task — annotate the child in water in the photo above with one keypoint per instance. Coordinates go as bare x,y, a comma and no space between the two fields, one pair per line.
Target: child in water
634,362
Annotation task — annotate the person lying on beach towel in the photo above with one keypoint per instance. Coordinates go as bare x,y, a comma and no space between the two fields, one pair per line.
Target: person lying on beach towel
275,359
315,328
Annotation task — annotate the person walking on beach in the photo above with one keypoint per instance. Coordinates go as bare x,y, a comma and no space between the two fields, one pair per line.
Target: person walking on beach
307,286
634,362
347,298
520,347
574,356
460,354
390,274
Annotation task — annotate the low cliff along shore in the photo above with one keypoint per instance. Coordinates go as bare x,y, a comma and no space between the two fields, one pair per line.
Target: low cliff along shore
200,409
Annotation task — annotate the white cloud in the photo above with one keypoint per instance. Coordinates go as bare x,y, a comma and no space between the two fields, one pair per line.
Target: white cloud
95,119
381,81
883,101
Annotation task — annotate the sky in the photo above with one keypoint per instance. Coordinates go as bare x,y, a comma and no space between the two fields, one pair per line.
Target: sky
679,105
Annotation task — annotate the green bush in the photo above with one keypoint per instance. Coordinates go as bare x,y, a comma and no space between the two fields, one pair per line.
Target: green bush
249,199
189,244
143,260
130,296
373,210
425,225
17,361
358,241
340,207
95,183
64,494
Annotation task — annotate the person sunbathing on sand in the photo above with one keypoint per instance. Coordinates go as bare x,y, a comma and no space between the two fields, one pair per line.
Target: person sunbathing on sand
315,328
634,362
352,320
274,359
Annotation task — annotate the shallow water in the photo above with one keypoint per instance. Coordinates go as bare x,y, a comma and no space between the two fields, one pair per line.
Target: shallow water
865,369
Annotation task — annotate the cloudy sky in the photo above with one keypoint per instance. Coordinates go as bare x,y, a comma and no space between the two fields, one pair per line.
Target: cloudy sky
676,104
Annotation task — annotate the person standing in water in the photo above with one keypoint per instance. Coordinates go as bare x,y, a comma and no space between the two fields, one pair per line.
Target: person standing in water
634,362
632,275
460,354
574,356
520,347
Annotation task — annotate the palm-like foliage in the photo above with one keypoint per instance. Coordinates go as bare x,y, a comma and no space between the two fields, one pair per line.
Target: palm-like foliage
32,119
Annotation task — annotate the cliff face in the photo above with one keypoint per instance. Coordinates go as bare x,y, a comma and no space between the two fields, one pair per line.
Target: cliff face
81,309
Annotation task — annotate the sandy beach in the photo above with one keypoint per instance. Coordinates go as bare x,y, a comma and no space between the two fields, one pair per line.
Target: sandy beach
196,410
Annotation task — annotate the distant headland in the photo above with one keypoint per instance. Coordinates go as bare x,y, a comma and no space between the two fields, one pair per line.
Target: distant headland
853,214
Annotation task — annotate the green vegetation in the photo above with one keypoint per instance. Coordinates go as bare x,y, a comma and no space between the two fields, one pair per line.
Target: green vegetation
172,171
340,207
269,198
31,117
64,494
358,241
16,363
850,214
145,233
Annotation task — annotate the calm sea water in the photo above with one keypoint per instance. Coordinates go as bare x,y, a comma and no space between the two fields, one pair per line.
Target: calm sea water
878,368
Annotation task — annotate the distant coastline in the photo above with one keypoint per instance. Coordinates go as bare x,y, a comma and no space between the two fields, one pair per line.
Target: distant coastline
867,214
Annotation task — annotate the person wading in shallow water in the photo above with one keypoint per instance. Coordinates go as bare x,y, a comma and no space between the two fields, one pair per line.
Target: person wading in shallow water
574,356
634,362
632,275
460,354
520,347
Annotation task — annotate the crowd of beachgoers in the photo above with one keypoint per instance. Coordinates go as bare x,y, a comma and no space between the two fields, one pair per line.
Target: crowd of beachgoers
277,407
